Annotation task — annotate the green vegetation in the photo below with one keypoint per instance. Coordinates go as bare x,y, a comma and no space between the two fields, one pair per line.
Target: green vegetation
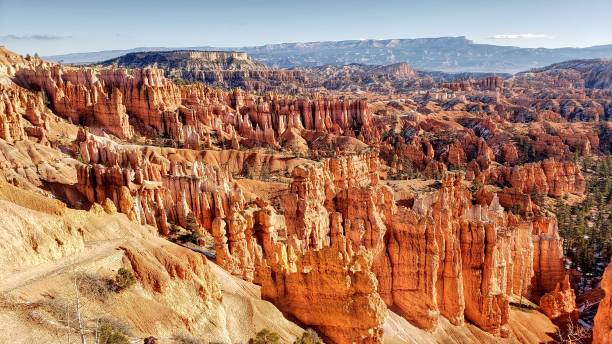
586,226
526,150
192,237
124,279
191,224
405,169
110,335
309,337
181,81
476,185
265,336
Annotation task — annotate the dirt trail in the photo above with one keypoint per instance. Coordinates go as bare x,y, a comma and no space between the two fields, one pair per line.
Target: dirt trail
94,252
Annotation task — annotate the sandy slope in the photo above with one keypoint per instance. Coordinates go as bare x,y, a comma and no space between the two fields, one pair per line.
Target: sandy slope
527,326
247,313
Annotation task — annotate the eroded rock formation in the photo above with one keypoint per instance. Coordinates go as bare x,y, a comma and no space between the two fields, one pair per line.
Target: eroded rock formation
602,329
560,304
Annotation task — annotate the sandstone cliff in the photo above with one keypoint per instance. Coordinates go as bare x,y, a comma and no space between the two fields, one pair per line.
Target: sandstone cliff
602,330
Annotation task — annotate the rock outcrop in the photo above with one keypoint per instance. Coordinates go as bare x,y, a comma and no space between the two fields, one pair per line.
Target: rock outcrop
549,177
548,265
560,304
335,221
461,261
602,329
22,113
220,68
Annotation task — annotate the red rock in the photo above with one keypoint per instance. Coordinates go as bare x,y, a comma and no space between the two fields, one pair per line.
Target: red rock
17,103
548,264
602,329
560,304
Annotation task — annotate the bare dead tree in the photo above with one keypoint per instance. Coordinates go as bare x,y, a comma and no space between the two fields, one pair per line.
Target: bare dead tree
67,306
572,334
78,308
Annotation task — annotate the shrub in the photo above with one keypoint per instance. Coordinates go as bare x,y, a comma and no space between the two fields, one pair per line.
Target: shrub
109,335
124,279
192,237
192,224
95,286
265,336
476,185
309,337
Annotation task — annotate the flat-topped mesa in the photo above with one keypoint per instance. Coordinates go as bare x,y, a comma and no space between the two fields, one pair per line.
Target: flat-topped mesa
221,68
401,70
192,59
213,55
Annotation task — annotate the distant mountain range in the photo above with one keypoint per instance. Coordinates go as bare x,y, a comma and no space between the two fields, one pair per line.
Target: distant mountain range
229,69
448,54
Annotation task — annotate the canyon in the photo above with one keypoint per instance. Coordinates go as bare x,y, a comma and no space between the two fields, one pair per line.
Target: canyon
422,208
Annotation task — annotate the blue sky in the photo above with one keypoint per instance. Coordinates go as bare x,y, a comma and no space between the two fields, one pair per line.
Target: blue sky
55,27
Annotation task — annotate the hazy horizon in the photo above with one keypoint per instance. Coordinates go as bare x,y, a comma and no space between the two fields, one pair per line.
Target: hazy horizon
69,26
296,42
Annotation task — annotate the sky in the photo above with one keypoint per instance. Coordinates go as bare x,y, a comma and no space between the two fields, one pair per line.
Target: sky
52,27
